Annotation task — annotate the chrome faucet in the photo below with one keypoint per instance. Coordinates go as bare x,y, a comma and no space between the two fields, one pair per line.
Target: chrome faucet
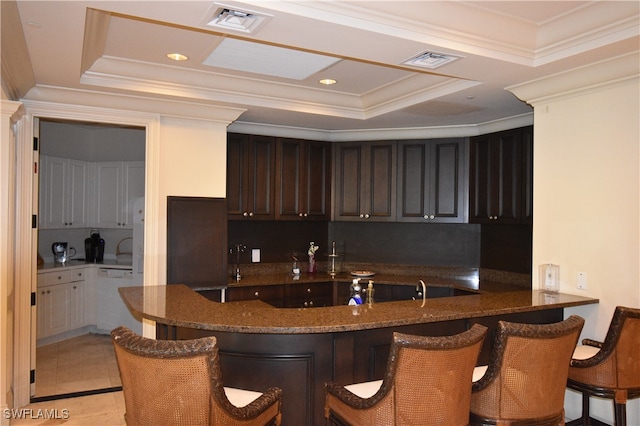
240,248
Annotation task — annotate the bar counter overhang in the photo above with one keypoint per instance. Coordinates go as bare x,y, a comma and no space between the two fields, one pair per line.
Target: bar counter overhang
299,349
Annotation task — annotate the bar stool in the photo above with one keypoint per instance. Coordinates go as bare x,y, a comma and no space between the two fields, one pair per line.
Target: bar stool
524,383
427,382
609,369
178,382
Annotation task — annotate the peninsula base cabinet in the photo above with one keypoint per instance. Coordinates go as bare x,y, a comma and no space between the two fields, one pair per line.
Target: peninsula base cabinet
300,364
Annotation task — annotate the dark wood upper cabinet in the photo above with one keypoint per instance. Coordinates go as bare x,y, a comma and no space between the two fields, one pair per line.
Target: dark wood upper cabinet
250,177
365,184
431,181
303,180
500,177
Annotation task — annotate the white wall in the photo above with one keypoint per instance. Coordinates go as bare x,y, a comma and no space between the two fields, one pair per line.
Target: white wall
192,162
587,205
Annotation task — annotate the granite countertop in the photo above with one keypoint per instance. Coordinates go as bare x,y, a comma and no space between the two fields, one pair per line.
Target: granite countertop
179,305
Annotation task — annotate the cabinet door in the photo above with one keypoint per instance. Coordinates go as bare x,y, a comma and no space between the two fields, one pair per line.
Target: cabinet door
77,303
446,182
53,183
108,193
366,181
77,193
64,189
317,167
250,176
290,173
495,178
133,187
303,180
57,319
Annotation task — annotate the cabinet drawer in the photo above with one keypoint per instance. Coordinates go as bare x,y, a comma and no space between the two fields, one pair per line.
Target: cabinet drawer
61,277
266,293
309,290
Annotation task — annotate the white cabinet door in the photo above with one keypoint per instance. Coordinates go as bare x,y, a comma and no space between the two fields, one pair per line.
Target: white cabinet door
53,175
64,185
117,184
108,193
57,315
133,182
77,194
77,304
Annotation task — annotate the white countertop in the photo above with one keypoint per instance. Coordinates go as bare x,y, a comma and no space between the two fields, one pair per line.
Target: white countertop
76,264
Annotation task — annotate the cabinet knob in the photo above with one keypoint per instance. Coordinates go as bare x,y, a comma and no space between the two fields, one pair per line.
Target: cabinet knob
366,215
300,214
74,287
256,294
306,214
305,304
251,214
308,290
311,303
59,277
245,214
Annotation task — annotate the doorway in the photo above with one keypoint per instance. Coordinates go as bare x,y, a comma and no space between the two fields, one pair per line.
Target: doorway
91,176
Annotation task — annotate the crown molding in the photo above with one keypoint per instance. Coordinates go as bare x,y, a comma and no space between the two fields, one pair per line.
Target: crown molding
60,96
436,132
579,80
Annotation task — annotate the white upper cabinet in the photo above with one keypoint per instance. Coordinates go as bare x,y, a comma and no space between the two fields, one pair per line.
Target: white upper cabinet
117,184
80,194
64,193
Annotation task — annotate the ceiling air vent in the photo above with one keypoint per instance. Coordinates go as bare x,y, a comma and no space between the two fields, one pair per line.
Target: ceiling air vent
430,60
236,20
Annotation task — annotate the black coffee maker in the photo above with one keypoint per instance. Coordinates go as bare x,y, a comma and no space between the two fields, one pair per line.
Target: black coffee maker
94,247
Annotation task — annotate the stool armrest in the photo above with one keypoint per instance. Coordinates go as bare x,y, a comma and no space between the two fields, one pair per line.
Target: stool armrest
590,342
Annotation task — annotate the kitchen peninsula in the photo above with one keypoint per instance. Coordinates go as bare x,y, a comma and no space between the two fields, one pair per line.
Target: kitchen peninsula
299,349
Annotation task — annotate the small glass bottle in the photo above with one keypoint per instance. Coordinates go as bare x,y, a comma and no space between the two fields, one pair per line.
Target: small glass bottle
355,291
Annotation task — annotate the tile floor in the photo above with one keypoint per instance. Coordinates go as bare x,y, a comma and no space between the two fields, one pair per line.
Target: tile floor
79,364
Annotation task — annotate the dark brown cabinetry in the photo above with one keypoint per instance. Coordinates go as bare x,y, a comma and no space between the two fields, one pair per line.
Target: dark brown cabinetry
271,294
500,177
250,176
365,181
431,181
196,241
309,295
303,180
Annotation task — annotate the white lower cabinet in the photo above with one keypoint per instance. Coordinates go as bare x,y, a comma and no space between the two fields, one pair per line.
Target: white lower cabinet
71,299
61,301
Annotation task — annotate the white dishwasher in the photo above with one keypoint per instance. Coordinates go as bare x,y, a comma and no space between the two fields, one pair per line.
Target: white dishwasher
111,311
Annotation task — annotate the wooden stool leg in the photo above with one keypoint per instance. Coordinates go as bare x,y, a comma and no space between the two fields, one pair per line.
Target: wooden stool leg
620,414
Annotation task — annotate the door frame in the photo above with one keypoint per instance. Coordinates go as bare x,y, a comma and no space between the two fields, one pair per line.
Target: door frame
27,159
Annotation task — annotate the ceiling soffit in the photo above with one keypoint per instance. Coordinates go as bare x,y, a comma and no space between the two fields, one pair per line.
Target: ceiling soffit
396,87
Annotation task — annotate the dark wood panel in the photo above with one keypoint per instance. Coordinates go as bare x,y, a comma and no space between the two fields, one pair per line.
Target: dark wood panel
196,241
381,194
349,182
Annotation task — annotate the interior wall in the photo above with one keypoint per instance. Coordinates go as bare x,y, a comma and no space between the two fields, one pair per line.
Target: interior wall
192,163
587,206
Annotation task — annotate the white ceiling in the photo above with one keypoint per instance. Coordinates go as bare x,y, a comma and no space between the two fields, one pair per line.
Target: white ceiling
120,47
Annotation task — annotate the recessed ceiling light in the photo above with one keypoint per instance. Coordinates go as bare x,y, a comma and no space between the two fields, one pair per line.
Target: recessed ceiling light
177,56
327,81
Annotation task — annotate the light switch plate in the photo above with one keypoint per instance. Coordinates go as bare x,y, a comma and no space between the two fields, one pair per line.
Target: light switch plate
255,255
